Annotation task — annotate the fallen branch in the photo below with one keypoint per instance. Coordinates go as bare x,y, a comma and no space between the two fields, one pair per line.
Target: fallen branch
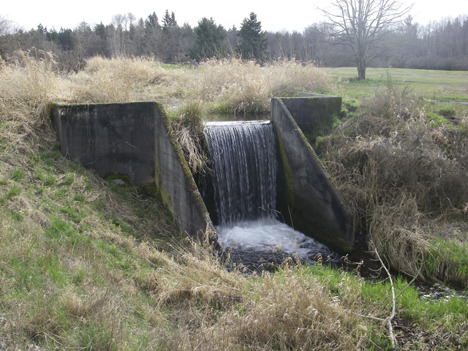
392,315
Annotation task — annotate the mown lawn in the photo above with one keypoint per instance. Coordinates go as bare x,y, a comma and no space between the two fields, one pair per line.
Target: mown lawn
428,84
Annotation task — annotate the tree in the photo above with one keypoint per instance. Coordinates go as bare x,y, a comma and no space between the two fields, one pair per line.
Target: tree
170,39
231,41
152,21
153,35
361,24
208,40
253,43
63,38
5,28
169,21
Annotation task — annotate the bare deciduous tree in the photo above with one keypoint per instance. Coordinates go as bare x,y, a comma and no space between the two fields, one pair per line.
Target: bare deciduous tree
361,24
5,29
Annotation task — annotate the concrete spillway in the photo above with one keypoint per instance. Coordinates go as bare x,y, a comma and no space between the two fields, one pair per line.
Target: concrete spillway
136,141
243,198
243,165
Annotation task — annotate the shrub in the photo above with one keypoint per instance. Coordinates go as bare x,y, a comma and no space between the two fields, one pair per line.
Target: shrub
400,173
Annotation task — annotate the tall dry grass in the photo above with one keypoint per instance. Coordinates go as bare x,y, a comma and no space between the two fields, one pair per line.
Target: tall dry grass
402,173
241,88
232,86
30,81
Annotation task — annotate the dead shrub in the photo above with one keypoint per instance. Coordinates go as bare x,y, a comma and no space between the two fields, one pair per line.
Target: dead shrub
188,129
400,174
396,231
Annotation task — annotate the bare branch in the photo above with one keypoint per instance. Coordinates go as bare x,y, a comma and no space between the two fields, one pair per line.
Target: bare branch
361,23
392,315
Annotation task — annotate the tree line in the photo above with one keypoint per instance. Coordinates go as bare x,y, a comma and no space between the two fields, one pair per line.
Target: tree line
439,45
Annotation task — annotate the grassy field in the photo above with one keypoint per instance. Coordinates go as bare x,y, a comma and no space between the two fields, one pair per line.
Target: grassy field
428,84
86,264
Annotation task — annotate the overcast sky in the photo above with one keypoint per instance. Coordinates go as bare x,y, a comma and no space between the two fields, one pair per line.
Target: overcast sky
290,15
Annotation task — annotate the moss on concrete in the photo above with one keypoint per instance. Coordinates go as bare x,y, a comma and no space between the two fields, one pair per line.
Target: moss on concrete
162,195
285,176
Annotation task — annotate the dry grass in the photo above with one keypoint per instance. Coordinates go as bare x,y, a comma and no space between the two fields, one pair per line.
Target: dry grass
188,128
27,85
241,88
87,265
402,174
287,311
120,79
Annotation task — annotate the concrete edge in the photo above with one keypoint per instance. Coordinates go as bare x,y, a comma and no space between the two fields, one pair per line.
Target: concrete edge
340,237
209,231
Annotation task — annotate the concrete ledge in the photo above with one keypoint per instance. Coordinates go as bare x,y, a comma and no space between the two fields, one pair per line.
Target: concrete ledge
310,110
133,141
307,195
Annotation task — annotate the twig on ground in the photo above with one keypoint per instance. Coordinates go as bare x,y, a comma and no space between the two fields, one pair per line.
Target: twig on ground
392,315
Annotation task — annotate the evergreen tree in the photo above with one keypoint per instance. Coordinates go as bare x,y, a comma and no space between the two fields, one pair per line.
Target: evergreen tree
208,40
174,39
169,21
63,38
253,44
152,22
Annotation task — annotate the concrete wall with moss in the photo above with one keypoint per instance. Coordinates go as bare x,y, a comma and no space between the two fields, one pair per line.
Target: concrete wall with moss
308,197
175,183
133,142
310,110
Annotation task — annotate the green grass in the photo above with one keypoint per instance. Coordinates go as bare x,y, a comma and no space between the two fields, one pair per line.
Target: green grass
448,261
86,264
437,85
448,315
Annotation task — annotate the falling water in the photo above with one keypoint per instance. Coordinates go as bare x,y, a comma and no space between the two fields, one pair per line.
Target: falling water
244,167
243,177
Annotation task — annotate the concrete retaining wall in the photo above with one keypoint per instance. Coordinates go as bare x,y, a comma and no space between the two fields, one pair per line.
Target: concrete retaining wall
307,195
133,141
310,110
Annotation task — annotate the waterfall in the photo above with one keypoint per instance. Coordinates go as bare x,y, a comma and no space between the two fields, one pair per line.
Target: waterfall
243,196
243,169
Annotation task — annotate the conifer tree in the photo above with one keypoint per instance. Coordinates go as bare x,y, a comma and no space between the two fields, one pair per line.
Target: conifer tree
208,40
253,44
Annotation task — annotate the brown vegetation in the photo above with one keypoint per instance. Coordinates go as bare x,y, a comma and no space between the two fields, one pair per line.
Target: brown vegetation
403,173
86,264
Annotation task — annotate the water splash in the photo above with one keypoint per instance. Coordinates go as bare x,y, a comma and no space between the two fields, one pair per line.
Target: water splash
243,174
269,235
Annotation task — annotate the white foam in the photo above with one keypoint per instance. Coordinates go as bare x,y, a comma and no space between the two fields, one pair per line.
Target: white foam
266,234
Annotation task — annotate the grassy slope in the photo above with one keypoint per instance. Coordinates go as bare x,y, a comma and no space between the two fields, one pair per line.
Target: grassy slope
85,264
